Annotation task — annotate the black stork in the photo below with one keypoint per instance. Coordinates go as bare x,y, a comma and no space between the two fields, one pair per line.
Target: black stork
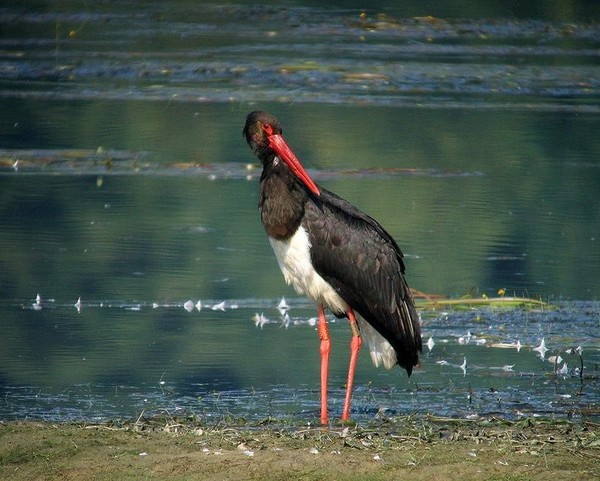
337,256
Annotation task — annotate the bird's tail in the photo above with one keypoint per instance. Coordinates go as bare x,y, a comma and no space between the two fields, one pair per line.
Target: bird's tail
410,344
402,347
381,351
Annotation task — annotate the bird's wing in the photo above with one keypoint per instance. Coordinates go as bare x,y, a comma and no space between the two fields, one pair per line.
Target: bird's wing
363,263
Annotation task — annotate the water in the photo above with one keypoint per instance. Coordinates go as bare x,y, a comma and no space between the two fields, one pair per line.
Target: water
125,183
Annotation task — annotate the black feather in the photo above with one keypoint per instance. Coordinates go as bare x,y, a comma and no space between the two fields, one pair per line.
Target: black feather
363,263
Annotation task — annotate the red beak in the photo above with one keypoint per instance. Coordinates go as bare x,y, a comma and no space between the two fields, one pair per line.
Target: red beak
281,148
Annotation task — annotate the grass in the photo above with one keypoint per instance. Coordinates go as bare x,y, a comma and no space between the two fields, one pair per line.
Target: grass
428,302
166,448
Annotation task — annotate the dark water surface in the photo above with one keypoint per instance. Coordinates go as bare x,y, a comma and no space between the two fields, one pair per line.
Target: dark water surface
473,136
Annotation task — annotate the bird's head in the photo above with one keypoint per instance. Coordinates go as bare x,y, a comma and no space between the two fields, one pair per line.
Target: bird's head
263,134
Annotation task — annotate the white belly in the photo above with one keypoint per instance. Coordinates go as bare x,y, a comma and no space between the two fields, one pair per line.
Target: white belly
293,256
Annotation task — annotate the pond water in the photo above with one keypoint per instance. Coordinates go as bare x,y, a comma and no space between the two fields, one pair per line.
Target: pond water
128,204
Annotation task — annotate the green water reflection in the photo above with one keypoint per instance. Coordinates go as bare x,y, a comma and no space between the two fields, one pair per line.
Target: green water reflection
485,200
124,181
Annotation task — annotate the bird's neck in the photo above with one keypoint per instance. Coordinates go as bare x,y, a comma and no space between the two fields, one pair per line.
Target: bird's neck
282,201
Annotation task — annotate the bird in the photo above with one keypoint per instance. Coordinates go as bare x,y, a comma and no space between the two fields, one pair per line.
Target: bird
337,256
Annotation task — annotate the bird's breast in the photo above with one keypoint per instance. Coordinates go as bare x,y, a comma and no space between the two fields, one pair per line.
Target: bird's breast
281,202
293,256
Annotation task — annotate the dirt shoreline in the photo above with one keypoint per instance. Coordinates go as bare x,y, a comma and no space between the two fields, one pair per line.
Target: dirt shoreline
185,449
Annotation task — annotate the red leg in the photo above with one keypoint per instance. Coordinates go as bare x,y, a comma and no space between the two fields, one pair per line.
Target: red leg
325,349
355,344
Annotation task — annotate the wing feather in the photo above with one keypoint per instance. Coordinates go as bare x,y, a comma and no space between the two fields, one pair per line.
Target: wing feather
363,263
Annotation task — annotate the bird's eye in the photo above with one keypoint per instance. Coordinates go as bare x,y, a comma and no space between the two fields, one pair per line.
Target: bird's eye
267,128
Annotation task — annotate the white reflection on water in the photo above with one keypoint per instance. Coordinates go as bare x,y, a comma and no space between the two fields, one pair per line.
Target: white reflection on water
483,362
